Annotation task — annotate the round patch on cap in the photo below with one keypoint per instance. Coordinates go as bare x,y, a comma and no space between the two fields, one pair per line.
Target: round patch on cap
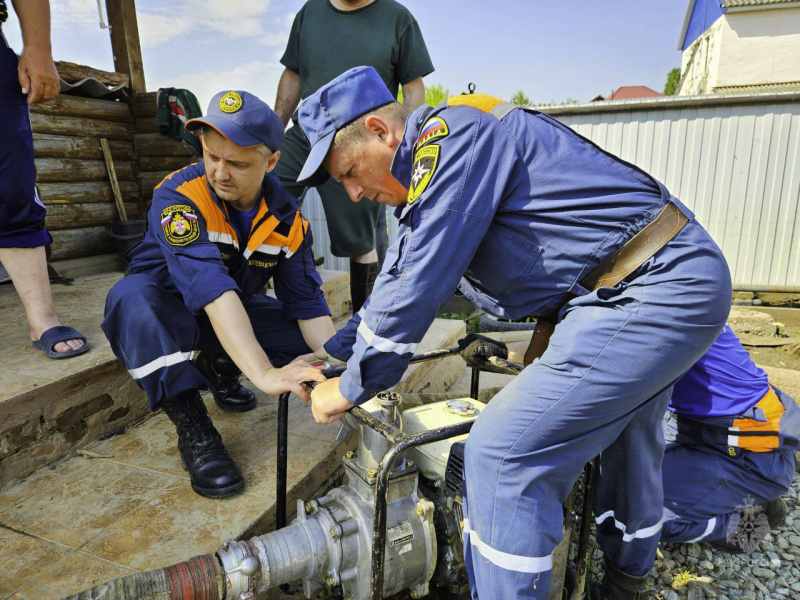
230,102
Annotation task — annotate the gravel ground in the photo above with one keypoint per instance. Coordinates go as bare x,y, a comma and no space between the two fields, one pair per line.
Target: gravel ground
698,571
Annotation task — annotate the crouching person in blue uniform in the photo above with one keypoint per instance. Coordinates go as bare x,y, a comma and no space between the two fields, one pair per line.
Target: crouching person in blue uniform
217,231
527,218
731,438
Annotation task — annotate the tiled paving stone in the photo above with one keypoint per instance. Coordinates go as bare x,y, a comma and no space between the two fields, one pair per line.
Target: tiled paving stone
73,512
24,557
173,526
75,572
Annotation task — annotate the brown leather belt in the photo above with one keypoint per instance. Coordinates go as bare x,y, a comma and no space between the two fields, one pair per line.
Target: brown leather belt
614,269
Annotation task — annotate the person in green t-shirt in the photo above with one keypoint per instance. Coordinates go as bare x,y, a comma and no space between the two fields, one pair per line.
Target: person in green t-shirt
328,37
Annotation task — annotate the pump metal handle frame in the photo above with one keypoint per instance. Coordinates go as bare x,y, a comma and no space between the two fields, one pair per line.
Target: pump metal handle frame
401,442
283,430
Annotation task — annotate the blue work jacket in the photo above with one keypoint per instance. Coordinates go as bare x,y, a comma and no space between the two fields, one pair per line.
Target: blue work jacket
193,250
513,211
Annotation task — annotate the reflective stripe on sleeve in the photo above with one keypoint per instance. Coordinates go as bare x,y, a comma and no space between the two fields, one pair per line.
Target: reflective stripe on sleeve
504,560
629,537
160,363
381,343
222,238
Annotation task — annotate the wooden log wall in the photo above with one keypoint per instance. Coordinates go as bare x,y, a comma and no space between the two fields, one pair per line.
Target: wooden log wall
71,173
157,155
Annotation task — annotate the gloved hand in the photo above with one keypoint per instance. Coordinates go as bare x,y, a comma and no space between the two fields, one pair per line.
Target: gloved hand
476,349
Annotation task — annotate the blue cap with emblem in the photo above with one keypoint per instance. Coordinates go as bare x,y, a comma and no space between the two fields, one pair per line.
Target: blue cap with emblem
243,118
331,107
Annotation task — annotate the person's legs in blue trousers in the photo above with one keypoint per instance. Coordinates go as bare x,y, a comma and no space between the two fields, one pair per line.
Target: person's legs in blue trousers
602,388
705,487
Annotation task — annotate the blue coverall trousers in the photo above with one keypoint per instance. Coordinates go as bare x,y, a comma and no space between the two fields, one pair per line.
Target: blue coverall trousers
705,487
601,388
155,336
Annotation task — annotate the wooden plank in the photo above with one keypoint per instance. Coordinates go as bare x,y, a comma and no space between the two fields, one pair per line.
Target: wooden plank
112,176
165,163
50,170
81,127
85,241
145,105
155,144
90,108
125,41
86,191
72,72
146,125
149,180
46,145
72,216
88,265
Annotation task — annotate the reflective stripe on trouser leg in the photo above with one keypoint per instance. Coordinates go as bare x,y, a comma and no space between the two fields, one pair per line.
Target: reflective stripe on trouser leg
153,335
628,525
610,365
704,487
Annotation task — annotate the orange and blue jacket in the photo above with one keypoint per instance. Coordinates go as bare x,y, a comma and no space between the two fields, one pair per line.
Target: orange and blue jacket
192,249
727,401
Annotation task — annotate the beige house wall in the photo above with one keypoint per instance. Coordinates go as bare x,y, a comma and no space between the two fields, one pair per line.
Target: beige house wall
700,62
759,47
744,48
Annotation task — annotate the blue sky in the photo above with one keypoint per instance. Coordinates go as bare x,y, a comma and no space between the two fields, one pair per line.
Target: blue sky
551,50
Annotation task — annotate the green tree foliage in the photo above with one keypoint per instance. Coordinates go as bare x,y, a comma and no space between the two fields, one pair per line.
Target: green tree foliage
435,94
673,78
520,99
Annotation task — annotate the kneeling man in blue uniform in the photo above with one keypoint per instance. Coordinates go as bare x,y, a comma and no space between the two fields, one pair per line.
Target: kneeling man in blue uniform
731,438
527,217
217,231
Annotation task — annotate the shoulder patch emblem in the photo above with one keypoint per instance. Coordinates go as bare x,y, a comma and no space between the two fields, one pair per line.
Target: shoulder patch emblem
180,225
425,161
433,128
230,102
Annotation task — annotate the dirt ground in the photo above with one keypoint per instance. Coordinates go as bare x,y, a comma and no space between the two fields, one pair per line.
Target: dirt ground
787,357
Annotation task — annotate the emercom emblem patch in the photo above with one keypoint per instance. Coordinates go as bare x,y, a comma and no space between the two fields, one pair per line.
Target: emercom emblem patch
425,161
180,225
434,128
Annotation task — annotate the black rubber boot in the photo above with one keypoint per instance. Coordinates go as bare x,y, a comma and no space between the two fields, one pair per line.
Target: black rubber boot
362,278
211,469
618,585
775,511
223,380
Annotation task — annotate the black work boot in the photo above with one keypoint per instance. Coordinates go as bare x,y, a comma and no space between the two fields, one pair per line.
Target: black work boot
775,511
362,278
223,380
211,469
618,585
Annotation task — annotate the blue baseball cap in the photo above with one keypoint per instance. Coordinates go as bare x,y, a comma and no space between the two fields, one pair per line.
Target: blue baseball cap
243,118
334,105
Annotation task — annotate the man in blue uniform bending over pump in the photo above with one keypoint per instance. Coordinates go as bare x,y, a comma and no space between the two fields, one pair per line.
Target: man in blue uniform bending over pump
731,438
217,231
527,218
